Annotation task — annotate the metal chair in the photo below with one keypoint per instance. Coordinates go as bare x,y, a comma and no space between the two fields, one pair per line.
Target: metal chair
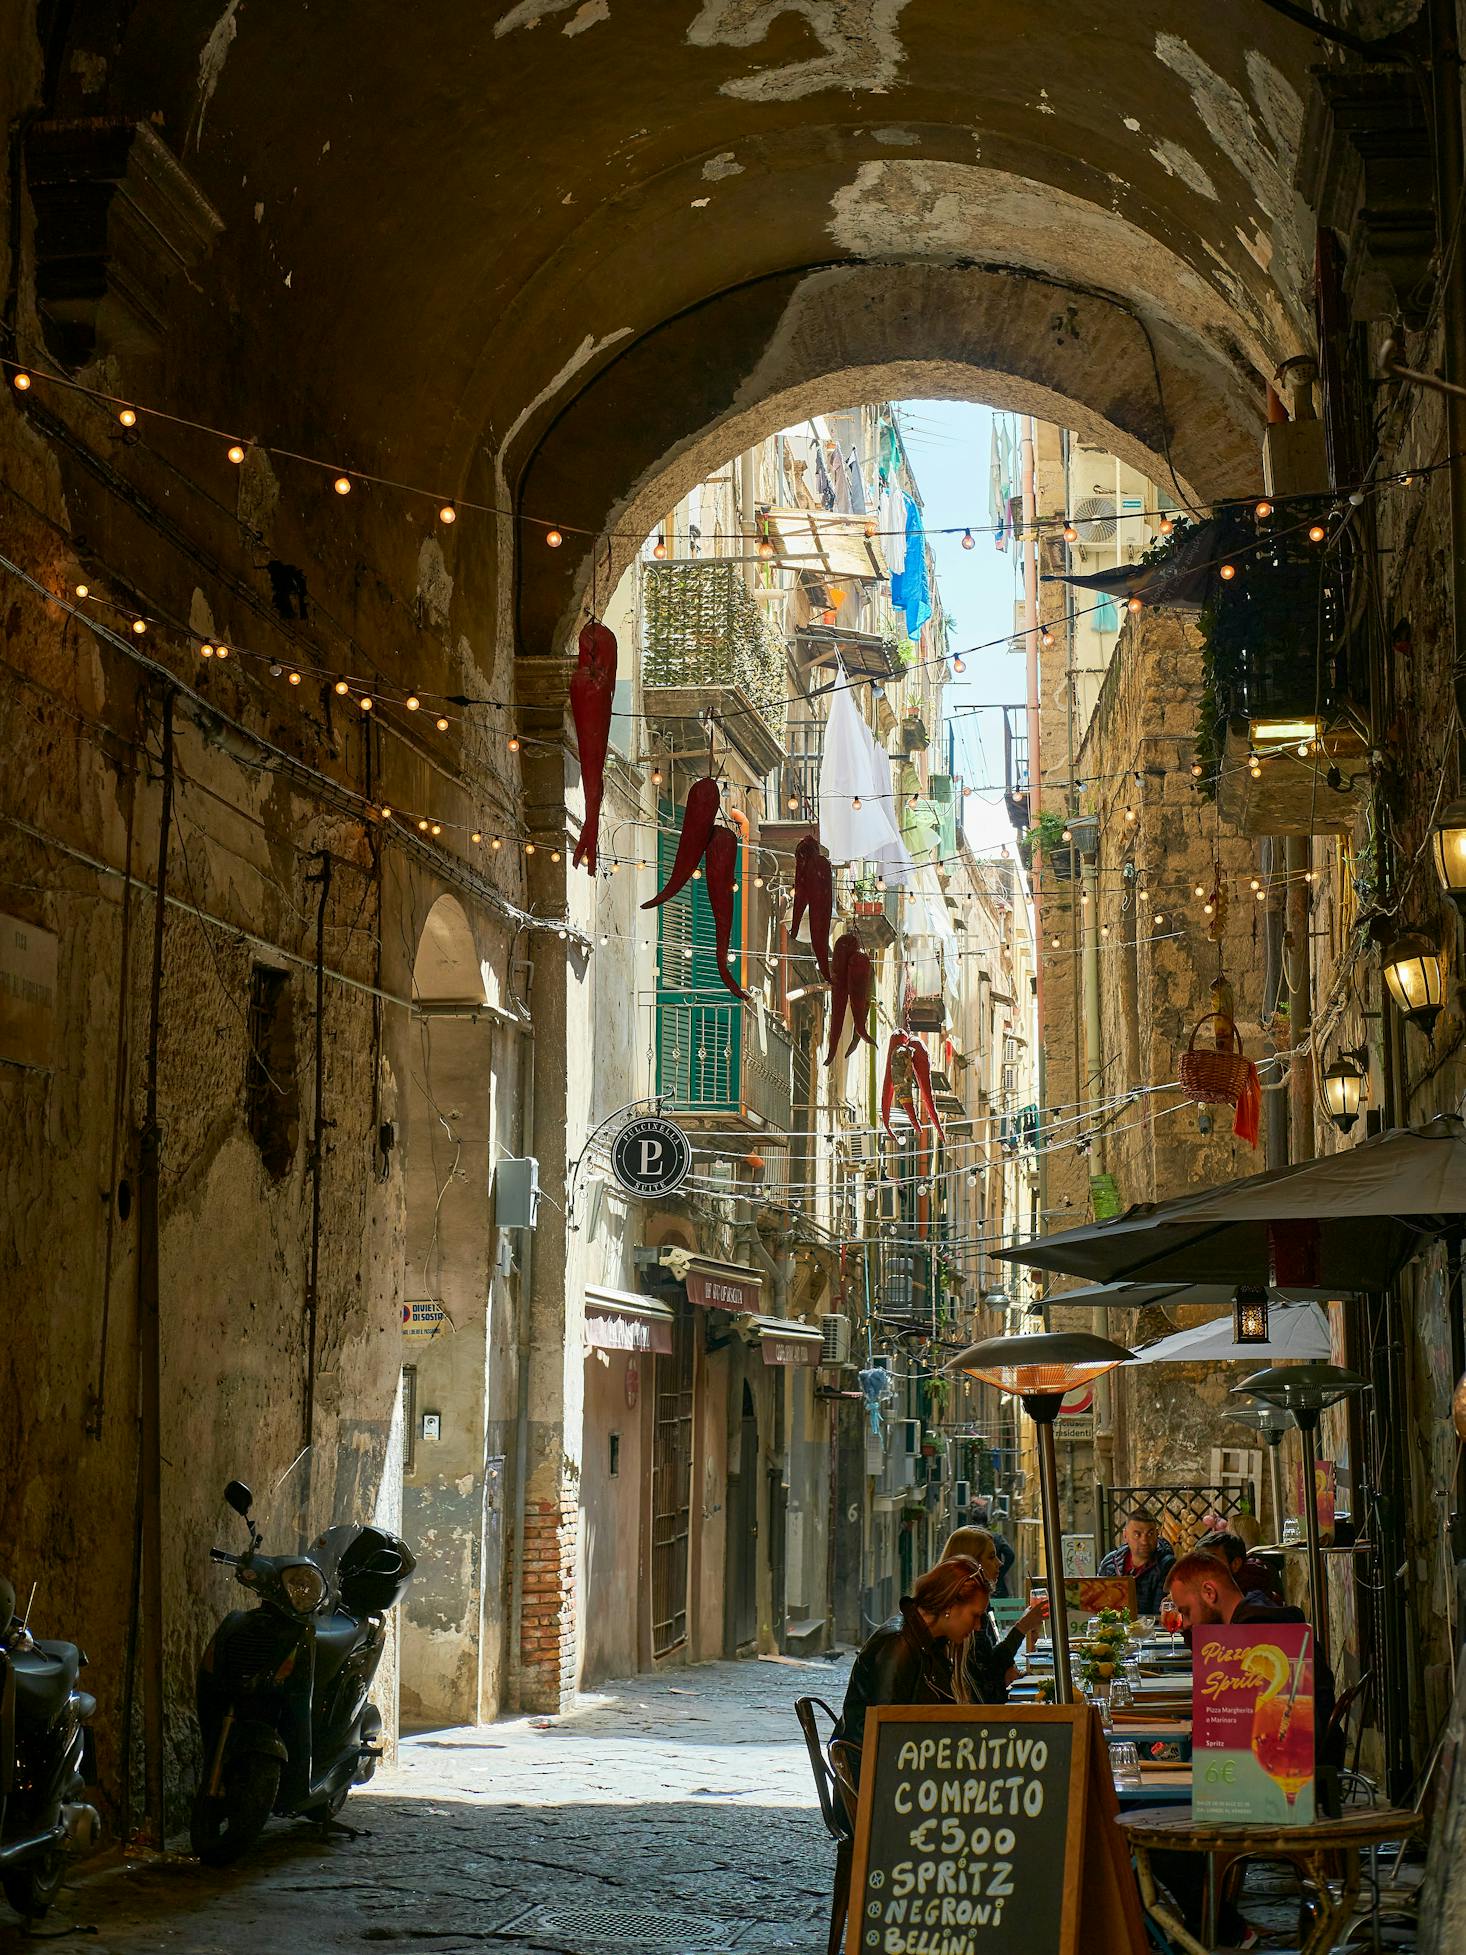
836,1806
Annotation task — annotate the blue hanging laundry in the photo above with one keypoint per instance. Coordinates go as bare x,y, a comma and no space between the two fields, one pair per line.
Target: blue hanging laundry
910,588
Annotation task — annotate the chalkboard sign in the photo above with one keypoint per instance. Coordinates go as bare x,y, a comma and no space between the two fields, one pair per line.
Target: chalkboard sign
971,1836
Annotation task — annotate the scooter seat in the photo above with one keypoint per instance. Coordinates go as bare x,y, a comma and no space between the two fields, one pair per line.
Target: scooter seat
334,1639
44,1678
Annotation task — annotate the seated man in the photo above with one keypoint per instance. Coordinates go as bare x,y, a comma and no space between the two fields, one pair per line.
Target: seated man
1204,1591
1144,1555
1255,1579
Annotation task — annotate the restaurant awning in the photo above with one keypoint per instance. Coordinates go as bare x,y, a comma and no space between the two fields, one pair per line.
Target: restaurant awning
617,1320
1137,1296
1375,1206
714,1285
1295,1330
783,1340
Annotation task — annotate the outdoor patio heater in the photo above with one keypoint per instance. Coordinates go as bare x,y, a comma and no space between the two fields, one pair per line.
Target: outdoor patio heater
1273,1425
1040,1370
1307,1390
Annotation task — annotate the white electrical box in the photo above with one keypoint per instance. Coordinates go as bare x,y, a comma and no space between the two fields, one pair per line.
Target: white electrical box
432,1425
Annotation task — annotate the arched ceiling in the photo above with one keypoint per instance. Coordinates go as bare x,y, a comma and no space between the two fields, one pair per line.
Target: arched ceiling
442,225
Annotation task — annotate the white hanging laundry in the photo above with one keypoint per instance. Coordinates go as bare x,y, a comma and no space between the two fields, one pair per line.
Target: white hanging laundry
853,769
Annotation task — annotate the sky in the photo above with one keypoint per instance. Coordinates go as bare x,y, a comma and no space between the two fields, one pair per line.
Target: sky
949,444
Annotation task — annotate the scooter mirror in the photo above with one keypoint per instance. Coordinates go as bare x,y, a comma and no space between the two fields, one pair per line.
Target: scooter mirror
239,1497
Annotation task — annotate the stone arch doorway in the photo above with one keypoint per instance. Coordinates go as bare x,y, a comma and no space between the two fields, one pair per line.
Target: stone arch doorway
453,1476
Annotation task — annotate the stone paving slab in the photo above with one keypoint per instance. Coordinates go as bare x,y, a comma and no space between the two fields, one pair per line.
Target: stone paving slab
673,1814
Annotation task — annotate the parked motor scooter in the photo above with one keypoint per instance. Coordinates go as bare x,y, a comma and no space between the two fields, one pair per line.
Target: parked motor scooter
46,1759
283,1701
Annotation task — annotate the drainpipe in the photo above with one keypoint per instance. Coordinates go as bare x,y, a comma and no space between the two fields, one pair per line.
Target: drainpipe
523,1315
1089,926
1274,1097
1297,857
1035,776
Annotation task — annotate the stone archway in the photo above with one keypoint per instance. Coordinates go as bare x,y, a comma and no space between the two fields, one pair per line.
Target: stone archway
453,1484
675,404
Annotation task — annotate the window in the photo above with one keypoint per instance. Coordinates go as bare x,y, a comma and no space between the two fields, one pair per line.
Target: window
271,1092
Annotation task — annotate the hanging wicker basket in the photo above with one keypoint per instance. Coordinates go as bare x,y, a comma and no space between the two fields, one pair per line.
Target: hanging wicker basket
1213,1078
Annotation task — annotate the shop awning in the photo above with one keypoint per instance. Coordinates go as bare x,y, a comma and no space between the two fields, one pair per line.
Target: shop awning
721,1286
784,1341
617,1320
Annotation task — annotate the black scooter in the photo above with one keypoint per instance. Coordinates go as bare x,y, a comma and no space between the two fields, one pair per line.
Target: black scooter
283,1688
46,1758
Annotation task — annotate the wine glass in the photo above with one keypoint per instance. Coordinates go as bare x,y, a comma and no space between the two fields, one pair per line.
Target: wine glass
1282,1741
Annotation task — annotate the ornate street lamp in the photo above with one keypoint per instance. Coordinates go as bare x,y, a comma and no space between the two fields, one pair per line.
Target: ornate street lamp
1307,1390
1448,852
1343,1090
1040,1369
1415,971
1249,1315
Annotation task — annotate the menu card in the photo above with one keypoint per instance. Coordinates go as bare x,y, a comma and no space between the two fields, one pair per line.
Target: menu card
1252,1746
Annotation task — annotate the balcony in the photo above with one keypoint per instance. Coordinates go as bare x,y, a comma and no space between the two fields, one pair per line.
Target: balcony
718,1058
706,645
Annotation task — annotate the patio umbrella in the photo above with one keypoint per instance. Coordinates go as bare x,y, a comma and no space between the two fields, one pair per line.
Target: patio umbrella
1374,1204
1295,1330
1137,1296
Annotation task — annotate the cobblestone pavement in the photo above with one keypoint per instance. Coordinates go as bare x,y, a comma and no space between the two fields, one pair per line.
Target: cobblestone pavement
667,1814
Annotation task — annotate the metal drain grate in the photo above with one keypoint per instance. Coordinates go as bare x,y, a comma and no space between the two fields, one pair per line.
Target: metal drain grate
623,1927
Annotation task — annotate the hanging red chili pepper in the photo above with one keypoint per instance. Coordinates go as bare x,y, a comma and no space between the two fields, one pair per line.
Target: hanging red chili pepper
896,1087
699,818
921,1065
592,692
721,868
814,890
860,978
845,948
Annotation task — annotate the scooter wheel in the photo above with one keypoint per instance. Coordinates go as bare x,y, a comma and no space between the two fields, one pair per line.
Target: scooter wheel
32,1888
223,1828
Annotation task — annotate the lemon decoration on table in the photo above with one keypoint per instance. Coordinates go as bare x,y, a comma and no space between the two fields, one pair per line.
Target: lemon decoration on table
1267,1661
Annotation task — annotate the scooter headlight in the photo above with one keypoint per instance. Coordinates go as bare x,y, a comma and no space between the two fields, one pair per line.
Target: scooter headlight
304,1586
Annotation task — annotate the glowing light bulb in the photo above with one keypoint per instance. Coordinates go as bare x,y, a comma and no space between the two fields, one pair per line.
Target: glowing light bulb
128,417
1200,889
1254,884
412,702
1165,526
82,590
386,814
1316,532
1045,637
447,514
1066,834
1227,572
206,651
969,541
1304,749
765,549
659,548
139,625
221,651
1159,919
235,453
293,677
1263,510
1207,908
1262,895
758,882
1134,605
342,485
441,724
792,802
553,539
554,855
959,664
870,529
1071,535
514,743
529,848
497,843
437,828
1129,814
21,382
423,826
365,703
856,802
1142,895
342,688
657,779
1197,770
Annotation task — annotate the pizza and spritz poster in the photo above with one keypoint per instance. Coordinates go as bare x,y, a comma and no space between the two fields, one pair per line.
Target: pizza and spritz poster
1253,1733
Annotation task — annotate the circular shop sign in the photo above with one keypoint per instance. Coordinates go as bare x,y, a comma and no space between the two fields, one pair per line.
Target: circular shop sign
651,1156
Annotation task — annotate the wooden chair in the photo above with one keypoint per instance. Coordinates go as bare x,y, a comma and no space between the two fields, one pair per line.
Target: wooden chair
837,1806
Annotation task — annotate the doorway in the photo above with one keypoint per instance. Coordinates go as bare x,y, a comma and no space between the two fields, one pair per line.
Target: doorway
742,1591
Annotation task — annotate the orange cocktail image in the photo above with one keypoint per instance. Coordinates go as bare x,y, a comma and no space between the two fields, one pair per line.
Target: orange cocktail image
1282,1721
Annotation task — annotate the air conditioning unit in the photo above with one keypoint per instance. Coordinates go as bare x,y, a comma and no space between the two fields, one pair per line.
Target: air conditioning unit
961,1495
900,1473
936,1467
998,1507
834,1339
909,1438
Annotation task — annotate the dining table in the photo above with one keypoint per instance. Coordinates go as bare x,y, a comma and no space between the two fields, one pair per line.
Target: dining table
1327,1852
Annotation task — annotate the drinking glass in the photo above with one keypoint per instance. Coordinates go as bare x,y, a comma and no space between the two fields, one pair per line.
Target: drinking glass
1121,1694
1102,1705
1125,1763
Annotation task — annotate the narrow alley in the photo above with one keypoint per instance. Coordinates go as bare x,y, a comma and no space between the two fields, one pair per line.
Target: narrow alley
671,1812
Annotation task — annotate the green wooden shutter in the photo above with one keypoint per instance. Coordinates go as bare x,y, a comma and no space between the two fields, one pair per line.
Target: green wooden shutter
699,1022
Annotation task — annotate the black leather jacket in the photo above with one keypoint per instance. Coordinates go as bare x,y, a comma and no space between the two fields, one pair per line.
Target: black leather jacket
902,1663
